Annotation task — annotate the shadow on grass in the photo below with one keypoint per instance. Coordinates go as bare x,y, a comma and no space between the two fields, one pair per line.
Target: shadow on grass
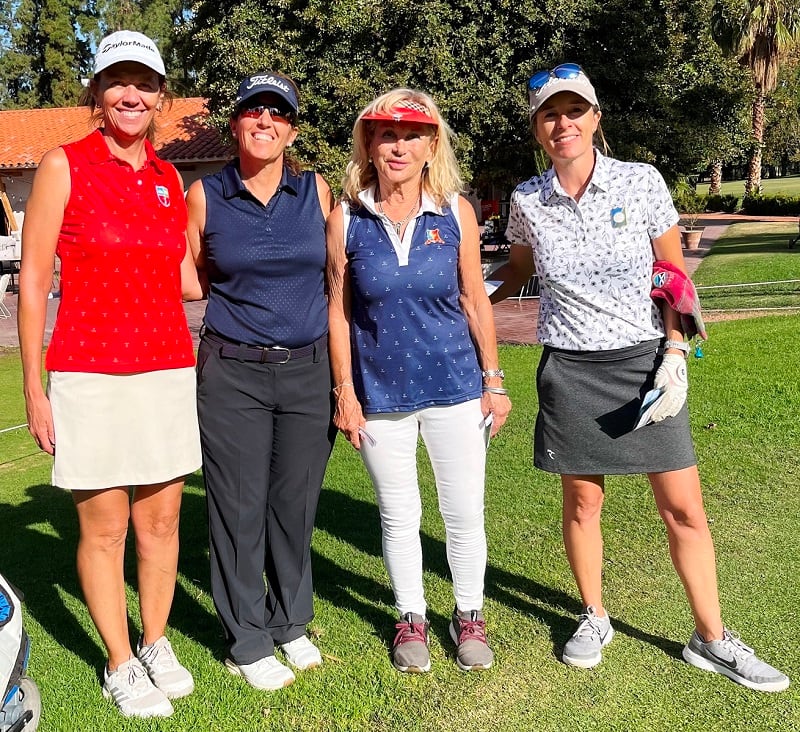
740,242
42,566
357,523
188,615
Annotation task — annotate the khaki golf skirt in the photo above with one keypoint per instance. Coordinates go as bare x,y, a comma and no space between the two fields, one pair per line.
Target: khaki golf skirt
588,405
123,429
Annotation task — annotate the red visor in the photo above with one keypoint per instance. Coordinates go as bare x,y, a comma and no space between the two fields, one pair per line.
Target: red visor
405,111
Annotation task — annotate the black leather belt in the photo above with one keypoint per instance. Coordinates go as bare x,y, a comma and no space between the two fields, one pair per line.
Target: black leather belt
264,354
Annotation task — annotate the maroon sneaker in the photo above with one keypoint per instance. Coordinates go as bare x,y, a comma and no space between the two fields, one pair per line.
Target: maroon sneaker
468,631
410,648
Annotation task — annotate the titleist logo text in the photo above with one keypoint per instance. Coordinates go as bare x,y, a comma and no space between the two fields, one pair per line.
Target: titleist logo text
269,81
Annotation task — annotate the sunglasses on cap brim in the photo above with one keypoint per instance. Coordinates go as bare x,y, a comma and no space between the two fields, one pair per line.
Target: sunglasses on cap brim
565,71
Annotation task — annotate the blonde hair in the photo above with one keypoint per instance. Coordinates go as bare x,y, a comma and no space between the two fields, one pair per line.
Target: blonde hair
441,178
89,99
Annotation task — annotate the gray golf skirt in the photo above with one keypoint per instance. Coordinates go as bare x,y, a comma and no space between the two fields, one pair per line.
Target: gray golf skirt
588,405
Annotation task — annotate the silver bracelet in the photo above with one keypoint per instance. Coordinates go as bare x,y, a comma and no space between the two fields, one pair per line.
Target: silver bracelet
678,345
495,390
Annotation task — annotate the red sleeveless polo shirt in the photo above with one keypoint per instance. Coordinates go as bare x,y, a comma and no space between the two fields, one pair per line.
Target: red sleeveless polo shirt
121,245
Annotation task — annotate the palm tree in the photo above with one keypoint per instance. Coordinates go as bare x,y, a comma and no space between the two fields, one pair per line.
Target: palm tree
759,33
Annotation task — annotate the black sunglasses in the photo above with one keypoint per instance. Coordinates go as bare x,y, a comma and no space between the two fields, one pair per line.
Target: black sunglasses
256,111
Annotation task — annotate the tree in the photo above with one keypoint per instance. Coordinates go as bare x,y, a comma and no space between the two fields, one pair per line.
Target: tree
759,34
49,45
45,53
782,125
467,53
165,22
669,96
722,96
474,57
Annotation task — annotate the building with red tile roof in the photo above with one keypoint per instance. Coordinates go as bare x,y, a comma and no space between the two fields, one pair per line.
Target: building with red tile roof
184,137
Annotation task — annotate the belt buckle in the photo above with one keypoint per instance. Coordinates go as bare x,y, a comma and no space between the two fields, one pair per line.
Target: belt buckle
274,349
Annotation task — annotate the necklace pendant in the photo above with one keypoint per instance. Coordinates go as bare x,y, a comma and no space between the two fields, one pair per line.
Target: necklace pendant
397,228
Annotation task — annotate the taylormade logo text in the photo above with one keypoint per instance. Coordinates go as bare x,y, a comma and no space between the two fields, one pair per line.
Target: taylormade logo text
121,44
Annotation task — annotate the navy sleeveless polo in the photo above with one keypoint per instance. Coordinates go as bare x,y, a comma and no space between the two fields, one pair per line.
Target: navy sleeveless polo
411,345
265,264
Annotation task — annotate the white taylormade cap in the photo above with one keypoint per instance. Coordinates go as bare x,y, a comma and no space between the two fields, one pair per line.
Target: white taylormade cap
128,46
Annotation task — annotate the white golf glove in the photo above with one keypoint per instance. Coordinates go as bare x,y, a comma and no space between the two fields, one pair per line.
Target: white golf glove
671,378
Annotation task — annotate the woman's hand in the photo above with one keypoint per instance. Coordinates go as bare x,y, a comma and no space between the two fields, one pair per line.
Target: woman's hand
498,405
40,422
348,416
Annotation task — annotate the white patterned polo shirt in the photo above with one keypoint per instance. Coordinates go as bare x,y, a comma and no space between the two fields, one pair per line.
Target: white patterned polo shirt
594,258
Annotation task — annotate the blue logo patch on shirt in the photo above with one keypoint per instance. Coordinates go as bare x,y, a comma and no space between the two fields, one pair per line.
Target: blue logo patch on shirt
659,279
618,217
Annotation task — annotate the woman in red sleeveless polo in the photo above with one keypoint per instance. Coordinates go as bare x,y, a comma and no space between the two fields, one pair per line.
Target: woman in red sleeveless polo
119,410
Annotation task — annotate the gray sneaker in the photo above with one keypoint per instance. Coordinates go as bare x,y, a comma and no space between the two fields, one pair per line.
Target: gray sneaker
410,648
468,631
732,658
593,633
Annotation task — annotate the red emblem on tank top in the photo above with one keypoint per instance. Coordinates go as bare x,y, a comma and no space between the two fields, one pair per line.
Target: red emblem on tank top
433,237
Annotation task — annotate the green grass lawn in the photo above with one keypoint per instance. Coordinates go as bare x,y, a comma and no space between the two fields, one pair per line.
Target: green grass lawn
748,254
746,386
789,185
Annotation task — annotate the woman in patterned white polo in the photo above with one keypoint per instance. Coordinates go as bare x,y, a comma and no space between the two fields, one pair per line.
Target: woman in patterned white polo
119,410
591,227
413,351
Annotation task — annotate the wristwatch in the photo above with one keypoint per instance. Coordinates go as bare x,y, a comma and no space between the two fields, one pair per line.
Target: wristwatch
489,373
680,345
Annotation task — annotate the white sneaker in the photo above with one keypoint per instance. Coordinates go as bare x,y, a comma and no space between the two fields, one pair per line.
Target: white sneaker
133,692
164,669
267,673
302,653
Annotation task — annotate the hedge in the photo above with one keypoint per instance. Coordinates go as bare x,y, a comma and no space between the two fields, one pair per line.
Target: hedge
778,204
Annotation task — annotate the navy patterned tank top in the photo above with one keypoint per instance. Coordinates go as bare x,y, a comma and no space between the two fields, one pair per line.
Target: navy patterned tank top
411,346
265,264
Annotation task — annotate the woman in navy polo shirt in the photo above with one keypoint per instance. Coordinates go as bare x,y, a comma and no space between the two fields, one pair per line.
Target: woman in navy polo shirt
593,226
413,352
257,229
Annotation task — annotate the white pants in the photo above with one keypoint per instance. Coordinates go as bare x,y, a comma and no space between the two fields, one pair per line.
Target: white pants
454,438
